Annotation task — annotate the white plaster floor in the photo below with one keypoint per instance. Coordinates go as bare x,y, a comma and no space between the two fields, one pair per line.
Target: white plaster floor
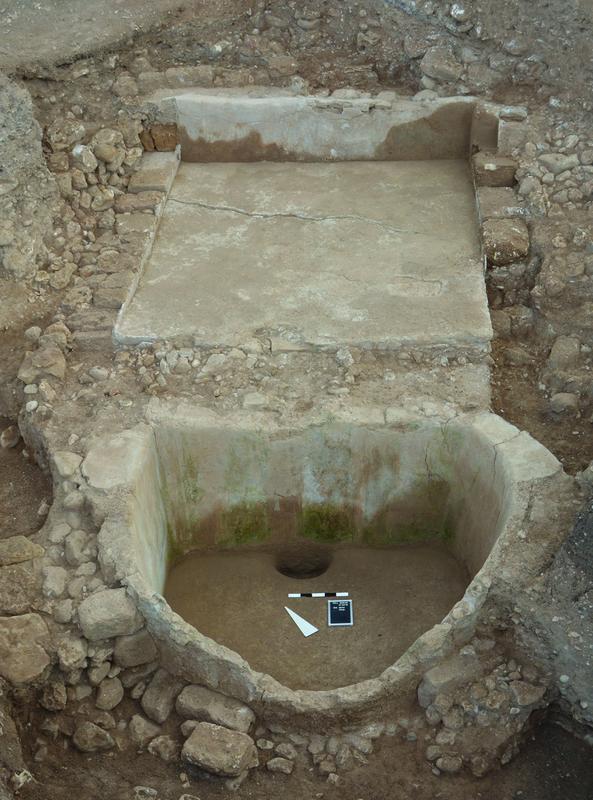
371,254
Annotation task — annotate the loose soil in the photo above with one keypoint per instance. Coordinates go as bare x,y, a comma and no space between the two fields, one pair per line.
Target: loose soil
23,488
516,396
551,766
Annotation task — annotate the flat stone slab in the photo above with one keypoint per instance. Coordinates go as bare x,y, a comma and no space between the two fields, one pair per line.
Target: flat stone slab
370,254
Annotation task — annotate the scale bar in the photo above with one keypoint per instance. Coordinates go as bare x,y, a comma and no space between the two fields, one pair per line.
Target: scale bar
319,594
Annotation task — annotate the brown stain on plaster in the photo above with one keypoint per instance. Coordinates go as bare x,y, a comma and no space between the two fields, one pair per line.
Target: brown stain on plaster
248,148
444,134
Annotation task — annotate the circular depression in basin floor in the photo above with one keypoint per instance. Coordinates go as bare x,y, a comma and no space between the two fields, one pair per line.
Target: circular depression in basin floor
238,597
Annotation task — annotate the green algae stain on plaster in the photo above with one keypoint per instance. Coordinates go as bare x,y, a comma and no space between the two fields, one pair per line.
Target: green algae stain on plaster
324,522
245,523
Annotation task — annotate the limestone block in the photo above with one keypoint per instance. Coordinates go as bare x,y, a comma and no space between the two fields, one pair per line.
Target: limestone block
109,613
155,174
200,703
219,750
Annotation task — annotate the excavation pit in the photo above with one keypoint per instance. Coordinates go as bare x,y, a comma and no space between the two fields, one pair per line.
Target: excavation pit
416,519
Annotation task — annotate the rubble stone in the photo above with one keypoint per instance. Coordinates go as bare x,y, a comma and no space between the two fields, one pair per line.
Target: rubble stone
142,730
138,648
200,703
219,750
107,614
90,738
23,642
159,698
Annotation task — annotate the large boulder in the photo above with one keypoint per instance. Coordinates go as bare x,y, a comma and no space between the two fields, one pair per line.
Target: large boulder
220,751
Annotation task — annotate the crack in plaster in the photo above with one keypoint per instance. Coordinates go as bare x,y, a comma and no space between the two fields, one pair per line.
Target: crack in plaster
291,215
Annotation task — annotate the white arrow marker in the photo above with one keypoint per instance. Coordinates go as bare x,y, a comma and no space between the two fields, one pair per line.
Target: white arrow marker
305,627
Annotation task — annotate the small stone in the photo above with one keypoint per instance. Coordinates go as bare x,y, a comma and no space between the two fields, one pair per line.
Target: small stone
33,333
76,548
142,730
66,463
287,750
54,697
99,373
145,793
282,765
517,357
214,362
54,581
440,63
526,694
565,352
564,402
265,744
90,738
110,694
98,673
449,764
72,652
164,747
556,163
83,158
63,611
125,86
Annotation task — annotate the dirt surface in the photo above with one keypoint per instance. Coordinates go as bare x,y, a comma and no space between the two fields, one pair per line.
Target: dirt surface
518,397
23,488
553,765
397,594
41,32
